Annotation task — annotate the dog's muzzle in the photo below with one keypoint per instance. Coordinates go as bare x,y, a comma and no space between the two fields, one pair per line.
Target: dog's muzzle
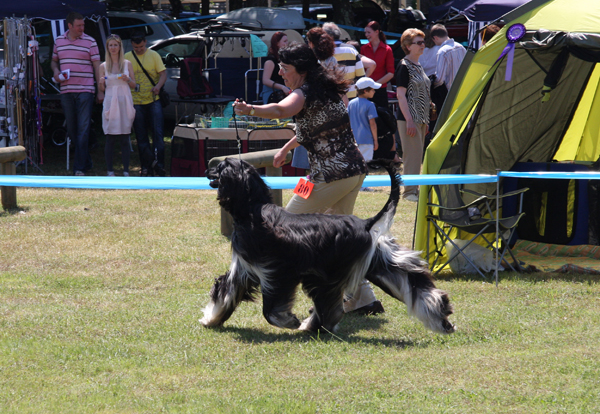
213,176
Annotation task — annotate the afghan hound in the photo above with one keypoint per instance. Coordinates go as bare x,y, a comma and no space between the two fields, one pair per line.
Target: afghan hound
326,254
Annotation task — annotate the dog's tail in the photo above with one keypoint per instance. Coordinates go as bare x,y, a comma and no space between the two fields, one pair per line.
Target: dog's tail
386,215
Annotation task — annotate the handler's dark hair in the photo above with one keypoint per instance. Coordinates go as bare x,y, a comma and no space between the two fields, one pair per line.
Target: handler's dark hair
320,81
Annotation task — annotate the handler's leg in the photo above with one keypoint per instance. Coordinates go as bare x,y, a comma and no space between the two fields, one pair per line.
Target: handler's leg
337,197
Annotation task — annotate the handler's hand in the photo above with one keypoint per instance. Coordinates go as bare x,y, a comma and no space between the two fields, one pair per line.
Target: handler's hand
241,107
411,128
279,159
375,144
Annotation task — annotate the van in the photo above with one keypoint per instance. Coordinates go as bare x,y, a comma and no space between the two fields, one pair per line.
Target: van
156,26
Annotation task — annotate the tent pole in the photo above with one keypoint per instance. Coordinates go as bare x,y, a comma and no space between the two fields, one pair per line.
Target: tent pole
497,220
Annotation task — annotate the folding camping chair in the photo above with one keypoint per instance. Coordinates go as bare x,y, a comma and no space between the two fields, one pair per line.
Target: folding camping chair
477,218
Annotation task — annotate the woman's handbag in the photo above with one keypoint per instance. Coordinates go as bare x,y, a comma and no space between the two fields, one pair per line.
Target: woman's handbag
165,99
432,112
277,96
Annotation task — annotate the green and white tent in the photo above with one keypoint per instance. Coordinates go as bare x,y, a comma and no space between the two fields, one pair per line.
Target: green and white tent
548,111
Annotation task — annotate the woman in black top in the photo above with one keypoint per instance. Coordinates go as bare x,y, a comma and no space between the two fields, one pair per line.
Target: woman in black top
271,79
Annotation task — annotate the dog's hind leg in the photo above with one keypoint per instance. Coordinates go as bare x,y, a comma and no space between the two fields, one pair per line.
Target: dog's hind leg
402,274
277,307
225,295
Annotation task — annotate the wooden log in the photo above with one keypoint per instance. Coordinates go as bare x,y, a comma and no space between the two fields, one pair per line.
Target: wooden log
8,157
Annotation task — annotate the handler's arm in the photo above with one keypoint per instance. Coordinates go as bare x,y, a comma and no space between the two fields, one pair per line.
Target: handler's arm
279,158
288,107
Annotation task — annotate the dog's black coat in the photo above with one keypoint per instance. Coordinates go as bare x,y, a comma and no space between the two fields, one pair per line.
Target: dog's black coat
327,254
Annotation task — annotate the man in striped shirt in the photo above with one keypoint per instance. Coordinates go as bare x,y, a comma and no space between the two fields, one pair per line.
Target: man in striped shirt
449,57
354,64
75,63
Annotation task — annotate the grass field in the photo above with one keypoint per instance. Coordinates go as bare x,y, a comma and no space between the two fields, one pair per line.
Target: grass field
101,292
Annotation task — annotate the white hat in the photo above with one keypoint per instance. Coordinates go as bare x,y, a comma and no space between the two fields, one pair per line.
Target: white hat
364,83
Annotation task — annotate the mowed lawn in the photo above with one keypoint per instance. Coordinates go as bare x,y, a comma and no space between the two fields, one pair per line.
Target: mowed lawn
101,292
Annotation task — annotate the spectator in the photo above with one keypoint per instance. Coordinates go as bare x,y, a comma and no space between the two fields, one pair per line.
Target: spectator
363,117
429,57
322,45
337,169
75,63
150,76
118,112
449,57
355,65
412,90
378,50
271,79
488,32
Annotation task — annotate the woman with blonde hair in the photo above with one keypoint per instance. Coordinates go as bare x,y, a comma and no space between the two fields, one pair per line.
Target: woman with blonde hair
413,93
118,111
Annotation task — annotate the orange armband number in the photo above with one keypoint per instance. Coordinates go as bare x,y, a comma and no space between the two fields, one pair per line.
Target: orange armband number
304,188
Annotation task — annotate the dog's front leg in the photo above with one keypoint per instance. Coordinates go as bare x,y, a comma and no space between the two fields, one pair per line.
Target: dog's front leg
277,307
226,294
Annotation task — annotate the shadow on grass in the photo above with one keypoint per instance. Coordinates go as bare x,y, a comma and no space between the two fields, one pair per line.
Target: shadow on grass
13,211
349,334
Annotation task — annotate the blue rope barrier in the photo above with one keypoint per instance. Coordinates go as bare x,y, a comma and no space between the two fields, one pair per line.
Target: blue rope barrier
201,183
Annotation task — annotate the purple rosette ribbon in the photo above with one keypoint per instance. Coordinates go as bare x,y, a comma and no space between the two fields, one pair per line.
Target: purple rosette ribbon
513,35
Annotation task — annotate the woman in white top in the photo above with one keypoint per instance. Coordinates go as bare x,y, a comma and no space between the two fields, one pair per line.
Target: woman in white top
118,111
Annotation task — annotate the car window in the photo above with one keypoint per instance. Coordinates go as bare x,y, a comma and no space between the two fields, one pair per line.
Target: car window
179,49
119,25
175,28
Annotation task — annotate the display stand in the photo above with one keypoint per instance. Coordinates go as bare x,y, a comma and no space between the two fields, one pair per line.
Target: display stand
20,124
192,148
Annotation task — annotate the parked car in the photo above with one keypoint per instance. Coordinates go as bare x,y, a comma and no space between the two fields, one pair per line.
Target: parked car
264,18
363,11
156,26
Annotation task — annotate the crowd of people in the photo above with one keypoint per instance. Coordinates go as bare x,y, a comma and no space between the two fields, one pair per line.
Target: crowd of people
128,89
352,90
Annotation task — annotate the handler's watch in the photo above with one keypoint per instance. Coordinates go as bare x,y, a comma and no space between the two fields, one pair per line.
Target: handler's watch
251,110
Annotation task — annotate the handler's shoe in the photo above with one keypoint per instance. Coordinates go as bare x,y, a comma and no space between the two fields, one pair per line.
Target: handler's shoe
373,308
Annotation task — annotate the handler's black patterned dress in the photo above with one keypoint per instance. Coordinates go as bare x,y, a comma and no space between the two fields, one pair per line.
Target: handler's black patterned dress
323,128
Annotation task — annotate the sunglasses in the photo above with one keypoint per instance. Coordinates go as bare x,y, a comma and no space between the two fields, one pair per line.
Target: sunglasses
283,68
420,43
114,36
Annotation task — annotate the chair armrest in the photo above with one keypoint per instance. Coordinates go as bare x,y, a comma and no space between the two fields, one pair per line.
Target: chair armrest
477,201
493,197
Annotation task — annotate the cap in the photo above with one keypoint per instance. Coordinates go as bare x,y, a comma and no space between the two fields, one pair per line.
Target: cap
364,83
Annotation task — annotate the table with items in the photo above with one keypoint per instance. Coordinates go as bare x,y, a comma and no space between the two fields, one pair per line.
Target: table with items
194,145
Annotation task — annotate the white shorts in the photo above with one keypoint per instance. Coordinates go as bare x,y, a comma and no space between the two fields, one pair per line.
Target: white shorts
366,150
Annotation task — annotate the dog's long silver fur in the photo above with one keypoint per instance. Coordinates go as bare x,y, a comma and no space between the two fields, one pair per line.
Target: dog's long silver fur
276,251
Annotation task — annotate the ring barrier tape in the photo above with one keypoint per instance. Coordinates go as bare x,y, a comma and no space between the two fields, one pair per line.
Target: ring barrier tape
276,183
202,183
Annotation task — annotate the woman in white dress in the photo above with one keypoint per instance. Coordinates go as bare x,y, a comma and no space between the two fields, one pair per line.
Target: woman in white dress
118,111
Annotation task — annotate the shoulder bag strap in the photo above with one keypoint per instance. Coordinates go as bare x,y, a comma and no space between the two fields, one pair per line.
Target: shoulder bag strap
146,73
